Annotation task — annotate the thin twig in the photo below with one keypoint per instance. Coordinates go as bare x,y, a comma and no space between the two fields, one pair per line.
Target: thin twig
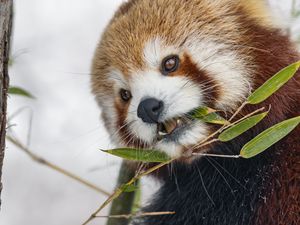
137,215
224,127
216,155
238,111
208,143
240,120
119,191
44,162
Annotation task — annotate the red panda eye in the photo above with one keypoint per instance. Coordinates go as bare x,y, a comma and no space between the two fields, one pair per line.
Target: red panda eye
170,64
125,95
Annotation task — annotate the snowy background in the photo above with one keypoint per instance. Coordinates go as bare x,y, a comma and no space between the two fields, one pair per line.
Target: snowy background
53,44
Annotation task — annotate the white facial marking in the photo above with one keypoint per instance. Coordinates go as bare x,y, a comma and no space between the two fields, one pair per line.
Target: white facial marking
180,94
155,51
225,67
107,102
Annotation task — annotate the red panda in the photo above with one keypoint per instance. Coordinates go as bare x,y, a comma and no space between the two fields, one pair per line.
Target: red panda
160,59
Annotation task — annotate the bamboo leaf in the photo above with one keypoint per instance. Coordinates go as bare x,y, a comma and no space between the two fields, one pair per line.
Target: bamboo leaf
214,118
208,115
141,155
20,91
202,111
241,127
269,137
273,84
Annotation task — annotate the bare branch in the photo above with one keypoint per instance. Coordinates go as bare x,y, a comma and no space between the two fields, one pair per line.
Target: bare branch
119,191
6,13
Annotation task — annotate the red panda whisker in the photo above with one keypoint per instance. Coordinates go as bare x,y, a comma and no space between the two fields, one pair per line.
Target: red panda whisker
223,177
203,184
122,127
233,177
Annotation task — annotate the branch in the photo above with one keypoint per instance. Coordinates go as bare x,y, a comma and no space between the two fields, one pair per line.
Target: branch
119,191
217,155
6,8
44,162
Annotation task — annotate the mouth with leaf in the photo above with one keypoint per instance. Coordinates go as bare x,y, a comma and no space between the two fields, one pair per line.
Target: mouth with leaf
228,130
172,128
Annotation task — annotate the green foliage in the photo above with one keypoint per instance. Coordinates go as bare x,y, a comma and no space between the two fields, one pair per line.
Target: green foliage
269,137
201,112
208,115
141,155
20,91
214,118
241,127
273,84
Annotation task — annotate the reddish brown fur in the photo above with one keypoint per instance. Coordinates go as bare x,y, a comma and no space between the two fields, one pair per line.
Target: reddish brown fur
271,52
123,128
190,70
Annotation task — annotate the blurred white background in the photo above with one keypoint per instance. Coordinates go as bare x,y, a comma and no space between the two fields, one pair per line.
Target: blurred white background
53,45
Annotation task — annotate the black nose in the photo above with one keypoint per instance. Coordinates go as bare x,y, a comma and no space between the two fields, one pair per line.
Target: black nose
150,109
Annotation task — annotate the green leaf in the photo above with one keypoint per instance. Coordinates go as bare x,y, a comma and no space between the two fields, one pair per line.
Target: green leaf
202,111
241,127
141,155
208,115
269,137
20,91
273,84
214,118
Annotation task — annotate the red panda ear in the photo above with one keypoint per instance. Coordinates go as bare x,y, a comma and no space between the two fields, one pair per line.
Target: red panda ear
259,10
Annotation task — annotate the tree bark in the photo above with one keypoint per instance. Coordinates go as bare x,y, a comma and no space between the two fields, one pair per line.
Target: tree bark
5,33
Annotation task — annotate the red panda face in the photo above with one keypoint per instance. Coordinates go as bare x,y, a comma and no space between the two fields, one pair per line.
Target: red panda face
160,59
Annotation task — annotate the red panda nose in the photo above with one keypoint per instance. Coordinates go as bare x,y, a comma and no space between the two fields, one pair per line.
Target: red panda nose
150,109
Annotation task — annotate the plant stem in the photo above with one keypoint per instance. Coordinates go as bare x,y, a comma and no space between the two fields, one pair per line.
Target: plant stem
224,127
240,120
119,191
238,111
216,155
